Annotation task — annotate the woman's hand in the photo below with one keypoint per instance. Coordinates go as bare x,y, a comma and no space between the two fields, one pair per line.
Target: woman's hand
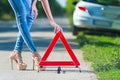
57,28
34,10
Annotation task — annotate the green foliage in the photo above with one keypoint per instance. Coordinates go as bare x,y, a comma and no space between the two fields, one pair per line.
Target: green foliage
103,51
113,2
69,9
116,57
56,9
6,11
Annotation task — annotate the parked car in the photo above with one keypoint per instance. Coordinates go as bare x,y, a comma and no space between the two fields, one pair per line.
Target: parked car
96,14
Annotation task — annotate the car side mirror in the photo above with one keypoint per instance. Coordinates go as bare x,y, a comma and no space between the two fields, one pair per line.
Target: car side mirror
75,2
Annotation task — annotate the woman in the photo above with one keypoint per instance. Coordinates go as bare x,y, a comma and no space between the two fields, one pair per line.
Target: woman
25,12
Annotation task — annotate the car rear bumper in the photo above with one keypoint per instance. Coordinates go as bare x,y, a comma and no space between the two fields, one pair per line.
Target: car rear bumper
96,22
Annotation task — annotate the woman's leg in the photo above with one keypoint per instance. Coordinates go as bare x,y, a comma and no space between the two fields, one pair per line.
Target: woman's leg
21,14
24,20
20,41
29,17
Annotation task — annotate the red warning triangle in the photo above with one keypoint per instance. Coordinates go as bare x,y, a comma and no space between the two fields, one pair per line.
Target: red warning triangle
60,36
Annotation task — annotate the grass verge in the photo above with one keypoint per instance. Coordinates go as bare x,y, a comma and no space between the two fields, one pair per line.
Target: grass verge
103,51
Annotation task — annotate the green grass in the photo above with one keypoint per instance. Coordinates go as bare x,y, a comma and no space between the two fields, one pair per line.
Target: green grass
103,51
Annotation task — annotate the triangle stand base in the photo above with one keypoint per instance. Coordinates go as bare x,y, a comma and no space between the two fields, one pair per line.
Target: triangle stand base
59,70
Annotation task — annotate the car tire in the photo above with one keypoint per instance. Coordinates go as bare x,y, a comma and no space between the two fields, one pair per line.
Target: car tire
75,30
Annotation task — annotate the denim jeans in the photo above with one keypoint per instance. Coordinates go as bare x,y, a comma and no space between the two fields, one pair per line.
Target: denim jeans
24,18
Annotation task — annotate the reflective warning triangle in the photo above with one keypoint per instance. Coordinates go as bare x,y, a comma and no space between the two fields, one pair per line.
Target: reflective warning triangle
74,61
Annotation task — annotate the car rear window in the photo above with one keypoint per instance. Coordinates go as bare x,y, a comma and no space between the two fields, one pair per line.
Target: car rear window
105,2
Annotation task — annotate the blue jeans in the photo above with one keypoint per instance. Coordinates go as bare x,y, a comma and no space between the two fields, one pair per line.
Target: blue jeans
24,18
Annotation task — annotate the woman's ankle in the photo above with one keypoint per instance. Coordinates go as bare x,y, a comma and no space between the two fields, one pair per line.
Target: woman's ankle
36,54
16,52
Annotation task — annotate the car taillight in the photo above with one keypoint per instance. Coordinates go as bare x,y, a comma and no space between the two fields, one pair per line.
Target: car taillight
82,8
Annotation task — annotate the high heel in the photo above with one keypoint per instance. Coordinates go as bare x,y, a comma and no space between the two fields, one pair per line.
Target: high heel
18,59
11,61
36,60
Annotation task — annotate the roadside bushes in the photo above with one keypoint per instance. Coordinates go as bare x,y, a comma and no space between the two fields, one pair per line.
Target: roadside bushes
116,57
6,12
56,9
70,9
103,52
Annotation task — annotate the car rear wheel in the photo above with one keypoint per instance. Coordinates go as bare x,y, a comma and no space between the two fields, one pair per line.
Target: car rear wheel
75,30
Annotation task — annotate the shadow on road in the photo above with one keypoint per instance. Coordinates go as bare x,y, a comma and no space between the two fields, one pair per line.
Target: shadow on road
7,41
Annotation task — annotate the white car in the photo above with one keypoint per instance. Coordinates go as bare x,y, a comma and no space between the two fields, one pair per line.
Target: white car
96,15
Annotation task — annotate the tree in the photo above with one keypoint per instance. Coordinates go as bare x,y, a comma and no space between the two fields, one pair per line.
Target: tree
6,11
56,8
110,2
70,9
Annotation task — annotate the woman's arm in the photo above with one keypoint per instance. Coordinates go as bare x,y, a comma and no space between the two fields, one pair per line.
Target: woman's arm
47,10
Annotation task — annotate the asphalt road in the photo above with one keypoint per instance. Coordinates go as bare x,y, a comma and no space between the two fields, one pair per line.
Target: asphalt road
42,34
